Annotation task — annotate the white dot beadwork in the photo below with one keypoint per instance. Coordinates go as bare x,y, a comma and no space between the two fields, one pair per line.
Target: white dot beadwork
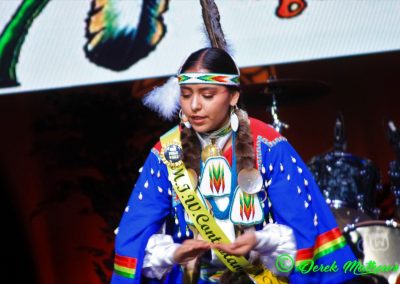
169,192
263,169
309,197
306,204
315,220
158,174
288,177
271,167
141,169
127,209
151,171
293,159
116,231
146,184
281,167
159,189
298,189
305,182
140,196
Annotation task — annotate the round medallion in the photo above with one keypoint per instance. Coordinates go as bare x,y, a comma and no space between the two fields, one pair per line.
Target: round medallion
250,181
172,155
210,151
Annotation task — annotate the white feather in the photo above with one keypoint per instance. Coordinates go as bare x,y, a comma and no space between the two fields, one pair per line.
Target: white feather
165,99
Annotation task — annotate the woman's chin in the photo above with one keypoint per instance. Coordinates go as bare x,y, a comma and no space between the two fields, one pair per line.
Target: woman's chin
201,128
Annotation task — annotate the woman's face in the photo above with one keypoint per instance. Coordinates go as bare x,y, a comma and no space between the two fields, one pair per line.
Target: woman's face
207,106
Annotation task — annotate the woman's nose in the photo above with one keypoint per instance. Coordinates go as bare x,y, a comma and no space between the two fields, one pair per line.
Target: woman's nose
195,104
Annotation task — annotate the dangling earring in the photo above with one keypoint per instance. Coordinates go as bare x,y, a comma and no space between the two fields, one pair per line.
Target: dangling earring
234,119
184,119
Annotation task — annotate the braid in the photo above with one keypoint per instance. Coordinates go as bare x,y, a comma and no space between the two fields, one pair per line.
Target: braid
191,149
244,143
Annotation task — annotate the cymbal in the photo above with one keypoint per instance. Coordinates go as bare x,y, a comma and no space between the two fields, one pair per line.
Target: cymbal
286,91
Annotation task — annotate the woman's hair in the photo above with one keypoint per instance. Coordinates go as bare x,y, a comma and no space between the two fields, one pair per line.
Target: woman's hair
217,61
213,59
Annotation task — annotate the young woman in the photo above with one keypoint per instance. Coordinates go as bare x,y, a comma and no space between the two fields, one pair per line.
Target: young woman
263,204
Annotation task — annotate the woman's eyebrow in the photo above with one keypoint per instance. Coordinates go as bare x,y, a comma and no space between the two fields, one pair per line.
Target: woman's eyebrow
207,89
186,88
200,89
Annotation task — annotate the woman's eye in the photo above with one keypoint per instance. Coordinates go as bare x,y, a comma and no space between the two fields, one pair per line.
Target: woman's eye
208,96
186,95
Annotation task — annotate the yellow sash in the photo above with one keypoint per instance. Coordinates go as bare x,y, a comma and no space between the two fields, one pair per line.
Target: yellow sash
200,216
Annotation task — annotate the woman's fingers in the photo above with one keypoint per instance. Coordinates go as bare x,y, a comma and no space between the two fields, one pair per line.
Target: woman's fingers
242,246
233,249
189,250
193,248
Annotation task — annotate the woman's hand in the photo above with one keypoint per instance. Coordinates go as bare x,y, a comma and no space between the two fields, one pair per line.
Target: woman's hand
240,247
189,250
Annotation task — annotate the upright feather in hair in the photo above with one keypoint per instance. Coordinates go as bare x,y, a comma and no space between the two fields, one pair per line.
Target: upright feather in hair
211,19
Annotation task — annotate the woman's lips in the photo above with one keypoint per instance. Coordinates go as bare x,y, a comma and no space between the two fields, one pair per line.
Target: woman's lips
198,119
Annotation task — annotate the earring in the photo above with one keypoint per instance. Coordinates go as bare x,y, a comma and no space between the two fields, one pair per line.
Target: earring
184,119
234,119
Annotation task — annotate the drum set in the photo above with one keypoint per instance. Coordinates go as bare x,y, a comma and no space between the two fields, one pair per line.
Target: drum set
350,184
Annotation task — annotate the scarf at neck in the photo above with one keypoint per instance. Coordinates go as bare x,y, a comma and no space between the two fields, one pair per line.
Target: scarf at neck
219,137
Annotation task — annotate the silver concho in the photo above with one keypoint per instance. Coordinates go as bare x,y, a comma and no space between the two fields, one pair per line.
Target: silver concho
250,181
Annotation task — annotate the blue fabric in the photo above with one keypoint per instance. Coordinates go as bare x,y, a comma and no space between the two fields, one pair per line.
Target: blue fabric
298,210
145,216
175,276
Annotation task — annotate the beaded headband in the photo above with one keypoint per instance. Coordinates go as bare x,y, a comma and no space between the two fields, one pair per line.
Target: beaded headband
165,99
208,78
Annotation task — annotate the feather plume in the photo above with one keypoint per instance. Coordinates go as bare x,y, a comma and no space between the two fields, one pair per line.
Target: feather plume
211,19
164,99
